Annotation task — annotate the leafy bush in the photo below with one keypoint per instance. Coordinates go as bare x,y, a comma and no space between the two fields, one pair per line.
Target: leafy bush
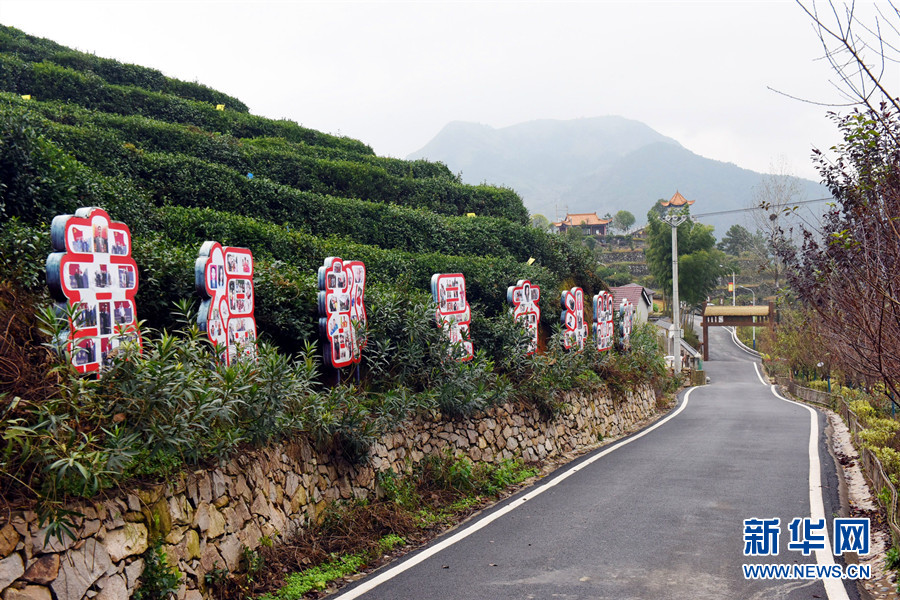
153,410
863,410
879,432
37,180
47,80
33,49
25,249
458,474
892,558
159,581
890,460
463,388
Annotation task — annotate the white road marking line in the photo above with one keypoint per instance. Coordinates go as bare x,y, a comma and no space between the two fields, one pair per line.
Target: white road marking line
833,587
392,572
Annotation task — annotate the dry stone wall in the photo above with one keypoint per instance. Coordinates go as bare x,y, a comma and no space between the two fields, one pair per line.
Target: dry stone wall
206,518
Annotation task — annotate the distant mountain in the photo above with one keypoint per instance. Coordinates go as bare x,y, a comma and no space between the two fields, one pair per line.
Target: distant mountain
602,164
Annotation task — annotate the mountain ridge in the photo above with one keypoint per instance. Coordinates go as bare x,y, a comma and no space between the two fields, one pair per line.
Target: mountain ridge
597,164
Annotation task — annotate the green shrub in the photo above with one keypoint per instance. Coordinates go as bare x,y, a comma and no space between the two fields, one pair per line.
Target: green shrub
863,410
50,81
879,432
25,250
33,49
890,460
463,388
892,558
159,581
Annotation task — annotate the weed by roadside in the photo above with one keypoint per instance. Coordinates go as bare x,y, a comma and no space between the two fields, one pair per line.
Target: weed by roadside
350,537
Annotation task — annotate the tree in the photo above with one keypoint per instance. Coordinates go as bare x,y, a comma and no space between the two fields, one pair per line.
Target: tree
849,272
623,221
699,261
776,195
860,54
539,221
736,241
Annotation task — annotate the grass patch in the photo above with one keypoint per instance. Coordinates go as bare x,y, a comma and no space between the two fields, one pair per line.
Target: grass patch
318,577
416,505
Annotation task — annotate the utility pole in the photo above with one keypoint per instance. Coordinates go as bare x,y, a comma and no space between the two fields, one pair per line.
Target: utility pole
674,220
675,217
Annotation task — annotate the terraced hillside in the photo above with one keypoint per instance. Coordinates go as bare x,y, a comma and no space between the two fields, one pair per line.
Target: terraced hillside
162,156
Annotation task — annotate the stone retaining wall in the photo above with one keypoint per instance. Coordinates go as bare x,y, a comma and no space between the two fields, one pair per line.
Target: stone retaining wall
207,518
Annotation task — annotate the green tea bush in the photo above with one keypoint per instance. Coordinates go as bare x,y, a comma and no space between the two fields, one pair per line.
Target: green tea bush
49,81
486,277
38,180
25,249
33,49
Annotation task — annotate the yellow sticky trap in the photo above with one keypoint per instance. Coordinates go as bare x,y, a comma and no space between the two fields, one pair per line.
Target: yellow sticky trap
530,261
220,107
470,214
26,96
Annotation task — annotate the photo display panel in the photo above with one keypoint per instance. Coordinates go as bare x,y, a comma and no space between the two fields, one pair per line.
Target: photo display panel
603,321
574,329
524,298
91,270
224,280
342,311
626,320
452,312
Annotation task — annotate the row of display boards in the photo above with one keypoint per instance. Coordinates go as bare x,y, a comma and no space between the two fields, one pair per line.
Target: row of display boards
92,274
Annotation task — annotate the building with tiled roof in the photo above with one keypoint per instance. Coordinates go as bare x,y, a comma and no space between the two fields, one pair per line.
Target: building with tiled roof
589,222
638,295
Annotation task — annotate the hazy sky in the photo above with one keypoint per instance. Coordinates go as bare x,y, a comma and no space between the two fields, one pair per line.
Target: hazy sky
393,74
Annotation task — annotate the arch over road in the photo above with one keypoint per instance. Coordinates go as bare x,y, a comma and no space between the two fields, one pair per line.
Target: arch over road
735,316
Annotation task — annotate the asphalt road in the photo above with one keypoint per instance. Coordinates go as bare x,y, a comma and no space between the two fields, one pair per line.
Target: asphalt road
660,516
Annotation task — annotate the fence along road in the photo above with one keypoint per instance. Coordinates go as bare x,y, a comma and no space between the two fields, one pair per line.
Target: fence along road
658,515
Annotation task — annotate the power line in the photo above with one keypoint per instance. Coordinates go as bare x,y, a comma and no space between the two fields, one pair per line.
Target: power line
736,210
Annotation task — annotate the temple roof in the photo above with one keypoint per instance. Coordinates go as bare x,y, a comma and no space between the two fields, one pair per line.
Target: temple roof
573,219
677,201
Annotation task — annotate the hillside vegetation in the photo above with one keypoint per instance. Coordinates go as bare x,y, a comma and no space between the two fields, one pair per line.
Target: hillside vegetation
602,164
156,153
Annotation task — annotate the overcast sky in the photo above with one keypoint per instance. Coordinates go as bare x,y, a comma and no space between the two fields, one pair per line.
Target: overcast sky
393,74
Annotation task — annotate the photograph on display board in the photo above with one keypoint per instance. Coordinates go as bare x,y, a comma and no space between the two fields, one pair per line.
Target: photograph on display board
84,352
106,327
452,313
81,240
86,315
91,269
223,279
124,314
126,278
524,299
342,316
120,245
101,240
603,321
626,320
79,276
574,332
